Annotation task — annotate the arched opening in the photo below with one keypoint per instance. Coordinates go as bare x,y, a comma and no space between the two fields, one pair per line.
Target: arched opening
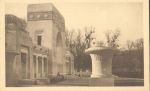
68,65
59,53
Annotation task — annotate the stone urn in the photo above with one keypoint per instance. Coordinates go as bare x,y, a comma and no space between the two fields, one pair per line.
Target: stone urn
101,60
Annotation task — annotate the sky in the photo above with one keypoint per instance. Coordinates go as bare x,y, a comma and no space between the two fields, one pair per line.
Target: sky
127,17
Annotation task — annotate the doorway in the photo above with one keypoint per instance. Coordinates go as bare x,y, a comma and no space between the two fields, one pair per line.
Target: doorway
23,65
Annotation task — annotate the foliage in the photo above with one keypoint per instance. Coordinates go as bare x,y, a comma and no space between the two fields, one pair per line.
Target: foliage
77,42
138,44
12,19
112,38
88,35
130,63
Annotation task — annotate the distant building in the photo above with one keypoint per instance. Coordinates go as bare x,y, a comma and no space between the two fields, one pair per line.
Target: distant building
39,51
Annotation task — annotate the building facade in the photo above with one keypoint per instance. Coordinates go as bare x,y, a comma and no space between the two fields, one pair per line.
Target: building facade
39,51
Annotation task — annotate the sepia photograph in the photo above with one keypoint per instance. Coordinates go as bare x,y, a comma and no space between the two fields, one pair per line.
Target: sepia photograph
75,44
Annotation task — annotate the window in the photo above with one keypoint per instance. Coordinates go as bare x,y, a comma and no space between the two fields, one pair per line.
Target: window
39,40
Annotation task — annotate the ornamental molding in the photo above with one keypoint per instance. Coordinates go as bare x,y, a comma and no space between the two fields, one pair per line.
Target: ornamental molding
36,16
47,15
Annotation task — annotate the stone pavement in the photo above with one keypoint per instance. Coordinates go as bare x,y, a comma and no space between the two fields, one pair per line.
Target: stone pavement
84,81
118,82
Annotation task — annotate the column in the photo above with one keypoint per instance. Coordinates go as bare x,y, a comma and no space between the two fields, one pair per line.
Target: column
42,66
72,67
37,67
45,66
34,62
47,71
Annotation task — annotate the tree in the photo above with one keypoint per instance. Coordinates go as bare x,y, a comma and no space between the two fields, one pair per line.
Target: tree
88,35
77,43
137,44
112,38
69,40
131,59
19,22
130,44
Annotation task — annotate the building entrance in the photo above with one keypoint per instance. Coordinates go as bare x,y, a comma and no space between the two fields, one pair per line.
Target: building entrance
23,64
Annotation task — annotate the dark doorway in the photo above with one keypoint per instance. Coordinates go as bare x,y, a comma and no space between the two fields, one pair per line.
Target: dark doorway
40,66
23,64
34,63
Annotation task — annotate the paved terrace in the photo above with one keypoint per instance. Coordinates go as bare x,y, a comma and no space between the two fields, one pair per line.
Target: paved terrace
84,81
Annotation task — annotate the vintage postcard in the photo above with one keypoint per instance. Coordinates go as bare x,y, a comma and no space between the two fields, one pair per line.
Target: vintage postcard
74,45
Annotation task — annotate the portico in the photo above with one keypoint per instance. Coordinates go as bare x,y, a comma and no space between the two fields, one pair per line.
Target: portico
40,63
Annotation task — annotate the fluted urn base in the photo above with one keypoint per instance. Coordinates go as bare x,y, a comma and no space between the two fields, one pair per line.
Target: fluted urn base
101,66
96,76
101,61
96,66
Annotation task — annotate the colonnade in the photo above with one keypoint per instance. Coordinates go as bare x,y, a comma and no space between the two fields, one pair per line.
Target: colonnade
40,66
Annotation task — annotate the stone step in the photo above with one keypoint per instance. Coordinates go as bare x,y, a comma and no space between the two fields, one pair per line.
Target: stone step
75,82
42,81
129,82
27,82
118,82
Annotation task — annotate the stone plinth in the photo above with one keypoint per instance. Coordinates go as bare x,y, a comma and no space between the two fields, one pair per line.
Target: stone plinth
101,65
101,61
108,81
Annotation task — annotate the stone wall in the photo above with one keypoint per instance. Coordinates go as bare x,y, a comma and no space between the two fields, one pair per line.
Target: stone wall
49,24
16,40
25,58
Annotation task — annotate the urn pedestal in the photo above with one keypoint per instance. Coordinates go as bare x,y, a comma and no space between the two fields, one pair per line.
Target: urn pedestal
101,66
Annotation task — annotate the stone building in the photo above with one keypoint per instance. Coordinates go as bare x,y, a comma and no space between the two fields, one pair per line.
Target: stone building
18,53
38,51
46,27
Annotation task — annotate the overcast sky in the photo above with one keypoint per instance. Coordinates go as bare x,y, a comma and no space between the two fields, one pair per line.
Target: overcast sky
103,16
